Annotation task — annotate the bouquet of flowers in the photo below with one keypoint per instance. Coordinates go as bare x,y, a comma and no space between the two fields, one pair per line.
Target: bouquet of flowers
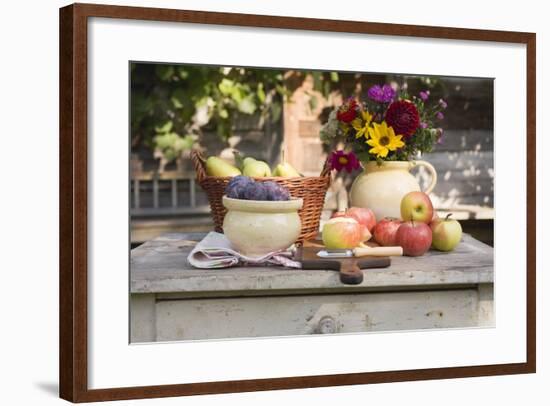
390,125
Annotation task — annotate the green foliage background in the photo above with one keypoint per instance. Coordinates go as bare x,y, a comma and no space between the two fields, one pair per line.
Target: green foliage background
172,105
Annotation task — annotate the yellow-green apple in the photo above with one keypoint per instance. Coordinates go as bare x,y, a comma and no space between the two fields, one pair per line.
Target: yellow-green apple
365,217
446,233
414,237
385,230
342,232
417,206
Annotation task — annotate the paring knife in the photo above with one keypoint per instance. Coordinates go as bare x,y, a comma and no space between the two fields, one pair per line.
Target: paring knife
349,268
362,252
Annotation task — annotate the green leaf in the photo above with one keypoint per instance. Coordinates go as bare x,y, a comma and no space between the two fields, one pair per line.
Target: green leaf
164,72
364,156
226,86
261,93
185,143
223,113
183,72
176,102
276,111
247,105
165,128
334,76
179,98
172,145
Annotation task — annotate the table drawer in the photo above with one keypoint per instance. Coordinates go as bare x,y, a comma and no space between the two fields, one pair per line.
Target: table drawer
188,319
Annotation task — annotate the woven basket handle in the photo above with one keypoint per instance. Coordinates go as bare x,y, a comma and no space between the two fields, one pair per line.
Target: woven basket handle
198,163
326,168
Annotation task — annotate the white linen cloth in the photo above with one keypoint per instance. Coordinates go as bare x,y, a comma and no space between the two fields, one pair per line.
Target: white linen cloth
214,251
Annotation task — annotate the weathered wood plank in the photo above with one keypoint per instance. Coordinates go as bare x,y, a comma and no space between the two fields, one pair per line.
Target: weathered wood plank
147,230
142,318
464,177
486,305
318,314
174,186
466,140
161,266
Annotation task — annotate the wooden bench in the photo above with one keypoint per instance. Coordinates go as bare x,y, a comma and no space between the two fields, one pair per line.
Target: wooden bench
170,300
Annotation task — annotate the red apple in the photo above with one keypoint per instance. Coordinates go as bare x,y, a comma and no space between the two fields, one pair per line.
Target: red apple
417,206
446,233
384,232
363,216
414,237
342,232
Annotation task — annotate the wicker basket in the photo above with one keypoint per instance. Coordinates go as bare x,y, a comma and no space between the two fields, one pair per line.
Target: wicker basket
311,188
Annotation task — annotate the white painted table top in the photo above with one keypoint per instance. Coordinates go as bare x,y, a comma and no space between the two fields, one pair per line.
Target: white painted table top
160,266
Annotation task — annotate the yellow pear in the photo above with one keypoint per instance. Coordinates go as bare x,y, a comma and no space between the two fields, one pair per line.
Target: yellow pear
218,167
256,169
286,170
248,160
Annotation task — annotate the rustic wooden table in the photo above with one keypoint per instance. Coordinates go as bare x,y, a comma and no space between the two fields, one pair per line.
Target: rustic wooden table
170,300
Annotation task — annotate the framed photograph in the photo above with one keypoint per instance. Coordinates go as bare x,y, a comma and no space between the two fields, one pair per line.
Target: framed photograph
255,202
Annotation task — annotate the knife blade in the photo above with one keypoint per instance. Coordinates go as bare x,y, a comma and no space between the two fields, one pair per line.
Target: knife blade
361,252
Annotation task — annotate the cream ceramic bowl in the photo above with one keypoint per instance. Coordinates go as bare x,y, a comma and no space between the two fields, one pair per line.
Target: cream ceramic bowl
256,228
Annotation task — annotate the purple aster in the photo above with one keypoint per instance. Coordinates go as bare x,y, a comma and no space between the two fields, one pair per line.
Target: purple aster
381,94
424,95
440,115
424,125
443,103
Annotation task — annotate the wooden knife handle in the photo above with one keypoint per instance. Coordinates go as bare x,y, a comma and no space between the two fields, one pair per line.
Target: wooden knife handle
378,251
350,274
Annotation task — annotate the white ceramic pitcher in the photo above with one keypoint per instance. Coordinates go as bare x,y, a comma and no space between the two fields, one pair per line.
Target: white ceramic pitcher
381,187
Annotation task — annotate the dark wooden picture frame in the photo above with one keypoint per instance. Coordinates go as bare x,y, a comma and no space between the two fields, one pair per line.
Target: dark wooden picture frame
73,201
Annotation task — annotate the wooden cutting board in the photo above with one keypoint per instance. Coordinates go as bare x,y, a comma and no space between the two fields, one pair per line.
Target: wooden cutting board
350,269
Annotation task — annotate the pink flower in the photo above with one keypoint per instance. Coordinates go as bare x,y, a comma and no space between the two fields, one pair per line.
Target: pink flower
339,160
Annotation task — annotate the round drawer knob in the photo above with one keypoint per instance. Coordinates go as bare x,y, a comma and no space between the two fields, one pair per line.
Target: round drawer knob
327,325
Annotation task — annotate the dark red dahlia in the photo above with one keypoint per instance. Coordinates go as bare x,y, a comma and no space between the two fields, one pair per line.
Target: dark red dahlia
347,111
403,117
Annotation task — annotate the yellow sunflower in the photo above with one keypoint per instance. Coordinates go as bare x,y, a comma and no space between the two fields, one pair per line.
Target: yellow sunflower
361,125
383,140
